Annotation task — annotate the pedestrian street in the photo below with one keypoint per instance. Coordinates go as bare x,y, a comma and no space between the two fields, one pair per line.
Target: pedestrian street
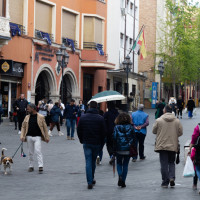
64,171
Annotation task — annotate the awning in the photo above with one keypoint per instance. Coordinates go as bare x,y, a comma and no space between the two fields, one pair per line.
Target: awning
97,64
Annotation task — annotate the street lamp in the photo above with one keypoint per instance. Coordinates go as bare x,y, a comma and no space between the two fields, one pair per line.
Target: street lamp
63,59
161,71
127,68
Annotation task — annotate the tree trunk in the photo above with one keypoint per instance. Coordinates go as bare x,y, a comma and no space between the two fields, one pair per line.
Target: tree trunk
190,89
174,89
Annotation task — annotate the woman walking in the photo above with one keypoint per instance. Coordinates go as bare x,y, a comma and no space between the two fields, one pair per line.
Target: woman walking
123,136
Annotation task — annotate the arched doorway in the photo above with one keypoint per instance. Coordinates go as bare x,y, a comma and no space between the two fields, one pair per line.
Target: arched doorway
42,87
67,89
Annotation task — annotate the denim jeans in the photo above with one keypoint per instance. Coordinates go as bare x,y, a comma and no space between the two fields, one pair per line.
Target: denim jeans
122,165
190,113
91,151
197,167
70,123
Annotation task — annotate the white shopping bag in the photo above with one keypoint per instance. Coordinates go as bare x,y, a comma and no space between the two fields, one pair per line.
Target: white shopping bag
195,111
189,168
185,111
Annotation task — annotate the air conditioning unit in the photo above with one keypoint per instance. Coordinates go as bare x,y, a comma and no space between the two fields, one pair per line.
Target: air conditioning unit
123,11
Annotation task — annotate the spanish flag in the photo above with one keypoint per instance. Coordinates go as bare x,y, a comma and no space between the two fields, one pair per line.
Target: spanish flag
141,42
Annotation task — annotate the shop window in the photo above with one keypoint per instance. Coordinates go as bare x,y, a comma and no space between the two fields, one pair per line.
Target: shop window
43,17
68,25
2,8
16,10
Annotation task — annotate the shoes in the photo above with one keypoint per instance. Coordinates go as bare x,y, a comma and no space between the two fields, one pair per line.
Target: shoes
72,138
30,169
172,183
111,160
164,185
90,186
68,138
60,133
123,184
19,132
120,181
40,169
134,160
98,160
93,182
194,187
143,158
49,133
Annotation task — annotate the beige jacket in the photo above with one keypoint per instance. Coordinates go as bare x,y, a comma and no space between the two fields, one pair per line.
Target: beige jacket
41,123
167,129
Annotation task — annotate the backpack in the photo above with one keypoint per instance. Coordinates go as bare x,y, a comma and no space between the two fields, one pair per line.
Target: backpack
197,147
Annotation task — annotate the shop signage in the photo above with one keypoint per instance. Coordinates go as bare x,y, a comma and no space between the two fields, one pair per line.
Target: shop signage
154,94
11,68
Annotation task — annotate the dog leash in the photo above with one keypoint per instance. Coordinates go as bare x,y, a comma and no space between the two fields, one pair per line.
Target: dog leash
22,151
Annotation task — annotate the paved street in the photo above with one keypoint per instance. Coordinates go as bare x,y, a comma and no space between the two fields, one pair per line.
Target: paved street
64,171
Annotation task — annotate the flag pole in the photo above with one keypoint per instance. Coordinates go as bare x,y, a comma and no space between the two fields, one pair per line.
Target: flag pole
137,38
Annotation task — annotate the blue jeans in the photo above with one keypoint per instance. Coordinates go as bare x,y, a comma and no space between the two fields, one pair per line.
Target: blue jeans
91,151
122,165
190,113
198,171
70,123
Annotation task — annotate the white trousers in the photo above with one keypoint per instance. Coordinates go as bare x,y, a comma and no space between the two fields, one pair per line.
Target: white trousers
34,145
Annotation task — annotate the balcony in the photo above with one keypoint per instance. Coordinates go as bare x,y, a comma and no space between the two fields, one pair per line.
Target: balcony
64,40
95,46
40,35
17,29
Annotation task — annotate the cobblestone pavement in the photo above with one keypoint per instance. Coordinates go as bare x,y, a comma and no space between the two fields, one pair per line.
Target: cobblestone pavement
64,171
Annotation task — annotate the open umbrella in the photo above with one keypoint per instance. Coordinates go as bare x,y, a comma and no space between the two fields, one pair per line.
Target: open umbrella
108,95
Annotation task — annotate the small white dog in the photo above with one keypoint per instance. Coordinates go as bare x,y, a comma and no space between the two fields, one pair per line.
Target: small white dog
6,162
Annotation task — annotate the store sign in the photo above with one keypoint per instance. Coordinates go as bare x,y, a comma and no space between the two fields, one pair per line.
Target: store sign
154,94
11,68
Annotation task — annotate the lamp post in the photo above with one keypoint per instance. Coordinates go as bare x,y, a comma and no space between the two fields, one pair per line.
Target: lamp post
127,68
63,59
161,71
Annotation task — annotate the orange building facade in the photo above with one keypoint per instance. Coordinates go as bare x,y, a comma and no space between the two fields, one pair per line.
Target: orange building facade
38,28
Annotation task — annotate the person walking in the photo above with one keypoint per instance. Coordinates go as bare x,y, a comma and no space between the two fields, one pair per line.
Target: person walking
55,114
81,110
173,104
140,121
109,118
34,130
180,104
123,136
15,115
190,107
62,108
49,107
21,105
91,132
160,106
70,114
42,108
167,129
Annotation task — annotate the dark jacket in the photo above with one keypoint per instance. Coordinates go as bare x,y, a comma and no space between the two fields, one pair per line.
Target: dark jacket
70,112
55,113
159,111
190,105
21,104
123,137
180,104
109,118
91,128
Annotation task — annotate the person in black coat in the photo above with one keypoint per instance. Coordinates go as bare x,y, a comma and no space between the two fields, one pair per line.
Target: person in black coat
190,107
91,132
180,104
109,118
21,106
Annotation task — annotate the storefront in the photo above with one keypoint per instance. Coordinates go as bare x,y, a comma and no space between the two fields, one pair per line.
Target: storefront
11,74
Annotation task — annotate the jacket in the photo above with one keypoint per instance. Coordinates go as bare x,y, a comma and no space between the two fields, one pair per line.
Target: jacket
124,136
41,123
167,129
190,105
180,104
70,112
195,135
55,113
91,128
140,118
109,118
21,104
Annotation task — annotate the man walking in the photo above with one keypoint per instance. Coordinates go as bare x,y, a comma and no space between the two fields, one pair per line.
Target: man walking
21,105
34,130
190,107
167,129
91,133
70,115
140,121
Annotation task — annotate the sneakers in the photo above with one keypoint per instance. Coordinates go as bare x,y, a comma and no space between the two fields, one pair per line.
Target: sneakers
134,160
98,160
143,158
49,133
72,138
30,169
90,186
68,138
172,183
40,169
60,133
123,184
163,185
19,132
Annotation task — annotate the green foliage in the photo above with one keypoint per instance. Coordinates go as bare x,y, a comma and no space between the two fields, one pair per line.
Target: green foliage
180,44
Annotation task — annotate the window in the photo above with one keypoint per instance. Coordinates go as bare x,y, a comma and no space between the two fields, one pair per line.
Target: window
121,35
93,30
108,84
130,41
2,8
69,25
121,40
16,9
131,6
43,17
133,90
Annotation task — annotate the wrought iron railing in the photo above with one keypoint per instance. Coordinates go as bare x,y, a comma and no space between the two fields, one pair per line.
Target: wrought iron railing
22,28
90,45
39,36
64,40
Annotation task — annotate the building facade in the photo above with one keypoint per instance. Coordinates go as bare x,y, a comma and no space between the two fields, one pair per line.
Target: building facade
38,28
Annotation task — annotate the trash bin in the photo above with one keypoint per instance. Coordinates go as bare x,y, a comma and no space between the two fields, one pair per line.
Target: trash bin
186,149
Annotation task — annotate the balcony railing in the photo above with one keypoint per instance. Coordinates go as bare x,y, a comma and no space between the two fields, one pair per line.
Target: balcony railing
22,29
90,45
39,35
64,40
